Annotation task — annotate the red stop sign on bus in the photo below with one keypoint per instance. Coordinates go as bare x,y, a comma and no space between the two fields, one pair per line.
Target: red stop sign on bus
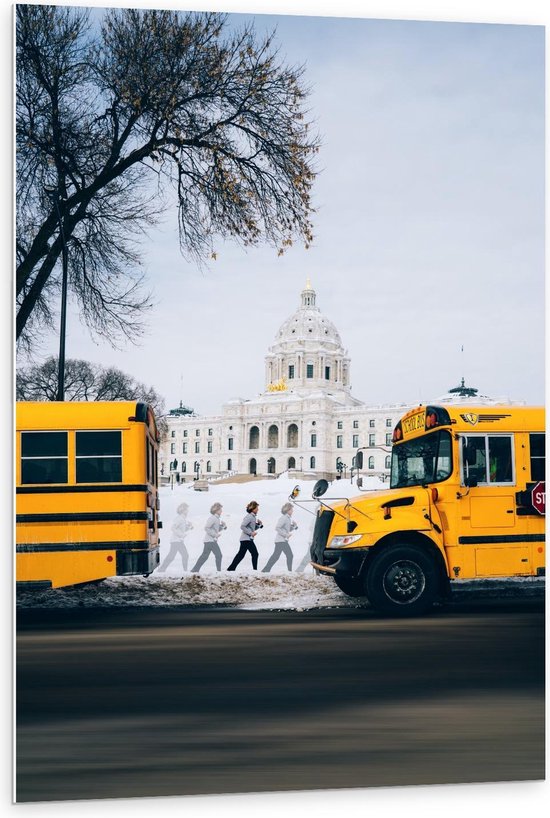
538,497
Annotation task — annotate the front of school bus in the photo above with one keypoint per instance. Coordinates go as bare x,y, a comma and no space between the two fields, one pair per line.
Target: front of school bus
388,545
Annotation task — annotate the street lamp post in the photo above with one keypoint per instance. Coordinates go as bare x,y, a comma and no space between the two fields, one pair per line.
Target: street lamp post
53,193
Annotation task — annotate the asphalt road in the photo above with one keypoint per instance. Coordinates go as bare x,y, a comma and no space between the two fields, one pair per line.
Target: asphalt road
119,703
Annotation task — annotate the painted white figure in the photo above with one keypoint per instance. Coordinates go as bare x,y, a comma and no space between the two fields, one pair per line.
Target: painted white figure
283,531
180,527
212,530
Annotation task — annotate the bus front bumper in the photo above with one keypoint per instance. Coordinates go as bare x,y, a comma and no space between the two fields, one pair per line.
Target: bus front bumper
346,562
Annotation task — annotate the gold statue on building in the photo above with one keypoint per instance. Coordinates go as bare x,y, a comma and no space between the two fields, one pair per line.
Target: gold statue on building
277,386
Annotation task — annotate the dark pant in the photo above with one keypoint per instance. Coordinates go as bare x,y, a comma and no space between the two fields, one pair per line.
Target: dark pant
280,548
209,548
246,545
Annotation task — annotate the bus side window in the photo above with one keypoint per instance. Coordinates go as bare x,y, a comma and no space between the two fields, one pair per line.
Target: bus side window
500,460
44,457
474,462
537,445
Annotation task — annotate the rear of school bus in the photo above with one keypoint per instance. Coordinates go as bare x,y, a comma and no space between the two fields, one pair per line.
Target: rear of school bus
466,501
86,492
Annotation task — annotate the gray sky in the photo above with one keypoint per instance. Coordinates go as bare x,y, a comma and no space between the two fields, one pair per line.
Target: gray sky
429,232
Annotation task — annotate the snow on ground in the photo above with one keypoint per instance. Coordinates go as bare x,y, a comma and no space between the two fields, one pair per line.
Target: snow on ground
280,589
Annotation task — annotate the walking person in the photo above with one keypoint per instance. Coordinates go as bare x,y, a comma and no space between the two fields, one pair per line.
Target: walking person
283,531
249,528
213,528
180,527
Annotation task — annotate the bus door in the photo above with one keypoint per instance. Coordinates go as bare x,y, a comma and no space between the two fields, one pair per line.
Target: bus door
487,521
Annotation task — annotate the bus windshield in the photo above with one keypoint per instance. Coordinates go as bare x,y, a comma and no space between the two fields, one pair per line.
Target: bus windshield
423,460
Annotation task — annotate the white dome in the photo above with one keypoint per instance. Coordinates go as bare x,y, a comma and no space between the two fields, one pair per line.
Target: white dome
307,353
308,324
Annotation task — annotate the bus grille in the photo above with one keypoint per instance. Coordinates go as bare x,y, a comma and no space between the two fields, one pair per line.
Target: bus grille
320,535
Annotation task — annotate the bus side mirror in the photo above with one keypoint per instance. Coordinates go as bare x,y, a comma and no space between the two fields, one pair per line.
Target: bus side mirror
320,488
469,455
470,482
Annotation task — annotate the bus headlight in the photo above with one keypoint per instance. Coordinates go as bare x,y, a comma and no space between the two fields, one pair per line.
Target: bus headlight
348,539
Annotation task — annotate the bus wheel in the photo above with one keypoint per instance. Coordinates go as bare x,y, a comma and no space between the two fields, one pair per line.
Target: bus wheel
351,587
402,581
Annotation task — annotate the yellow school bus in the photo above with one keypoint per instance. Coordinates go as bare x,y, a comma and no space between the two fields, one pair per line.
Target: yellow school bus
466,501
86,492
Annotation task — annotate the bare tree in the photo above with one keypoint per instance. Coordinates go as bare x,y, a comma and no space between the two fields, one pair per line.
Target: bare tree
118,120
85,382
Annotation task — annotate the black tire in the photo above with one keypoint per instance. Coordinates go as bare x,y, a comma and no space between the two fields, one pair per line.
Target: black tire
351,587
402,581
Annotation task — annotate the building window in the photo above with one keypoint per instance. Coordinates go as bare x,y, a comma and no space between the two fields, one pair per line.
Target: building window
44,457
339,424
254,438
185,432
252,466
183,466
273,437
184,450
388,422
371,462
172,448
327,373
388,439
210,433
229,465
311,462
339,441
355,441
172,433
313,441
387,464
291,372
197,447
371,423
271,465
292,436
355,424
309,371
291,463
372,440
197,432
208,466
209,447
230,443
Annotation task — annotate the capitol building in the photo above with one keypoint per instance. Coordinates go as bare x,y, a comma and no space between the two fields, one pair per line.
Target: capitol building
306,420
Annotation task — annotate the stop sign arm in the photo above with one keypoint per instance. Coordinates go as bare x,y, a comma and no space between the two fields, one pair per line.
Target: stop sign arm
538,497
